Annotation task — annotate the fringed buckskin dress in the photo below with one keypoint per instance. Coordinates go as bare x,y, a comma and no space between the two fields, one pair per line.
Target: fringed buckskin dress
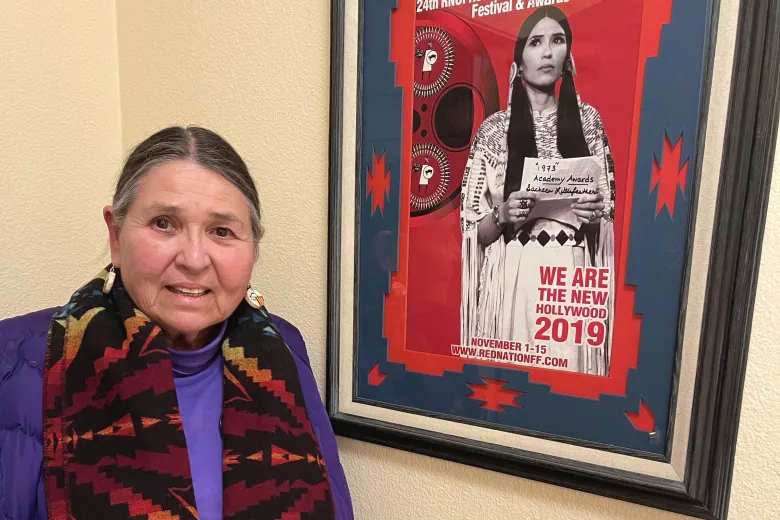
500,282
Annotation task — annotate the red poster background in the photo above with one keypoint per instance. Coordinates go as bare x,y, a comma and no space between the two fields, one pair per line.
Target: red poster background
611,41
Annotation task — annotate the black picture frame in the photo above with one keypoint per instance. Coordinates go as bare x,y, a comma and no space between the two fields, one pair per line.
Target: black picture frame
746,168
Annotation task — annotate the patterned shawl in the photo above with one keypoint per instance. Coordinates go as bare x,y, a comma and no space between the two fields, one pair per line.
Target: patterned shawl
114,446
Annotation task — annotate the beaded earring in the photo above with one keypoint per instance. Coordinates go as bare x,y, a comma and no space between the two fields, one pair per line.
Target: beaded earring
254,298
109,283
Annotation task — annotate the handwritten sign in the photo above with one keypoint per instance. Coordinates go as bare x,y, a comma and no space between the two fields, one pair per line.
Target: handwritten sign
559,183
562,178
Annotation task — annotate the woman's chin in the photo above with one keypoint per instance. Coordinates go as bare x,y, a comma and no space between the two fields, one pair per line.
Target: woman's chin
187,330
544,84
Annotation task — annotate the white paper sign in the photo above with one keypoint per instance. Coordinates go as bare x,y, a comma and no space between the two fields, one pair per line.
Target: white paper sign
559,183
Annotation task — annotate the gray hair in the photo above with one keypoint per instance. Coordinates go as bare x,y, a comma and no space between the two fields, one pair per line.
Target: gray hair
196,144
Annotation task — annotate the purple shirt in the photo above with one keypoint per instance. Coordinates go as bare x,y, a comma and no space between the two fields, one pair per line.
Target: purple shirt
197,375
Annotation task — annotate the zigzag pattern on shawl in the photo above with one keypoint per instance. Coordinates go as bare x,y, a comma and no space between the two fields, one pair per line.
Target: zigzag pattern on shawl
114,444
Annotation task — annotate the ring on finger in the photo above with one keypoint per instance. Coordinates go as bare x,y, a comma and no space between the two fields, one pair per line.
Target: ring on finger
522,204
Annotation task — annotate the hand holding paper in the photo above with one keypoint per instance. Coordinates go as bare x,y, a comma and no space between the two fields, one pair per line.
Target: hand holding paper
567,189
589,208
516,208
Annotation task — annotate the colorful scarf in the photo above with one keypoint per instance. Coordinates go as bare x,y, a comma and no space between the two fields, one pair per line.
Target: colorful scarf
114,446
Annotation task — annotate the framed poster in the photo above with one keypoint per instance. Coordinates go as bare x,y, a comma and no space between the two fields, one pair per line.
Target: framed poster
544,236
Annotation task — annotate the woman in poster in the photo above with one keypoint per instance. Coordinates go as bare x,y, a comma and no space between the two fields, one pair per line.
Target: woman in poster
504,243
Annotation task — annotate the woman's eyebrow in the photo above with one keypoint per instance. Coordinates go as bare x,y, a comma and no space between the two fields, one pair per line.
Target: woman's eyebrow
159,207
539,35
228,217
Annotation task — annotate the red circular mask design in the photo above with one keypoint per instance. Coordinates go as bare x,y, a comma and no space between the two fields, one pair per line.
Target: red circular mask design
455,89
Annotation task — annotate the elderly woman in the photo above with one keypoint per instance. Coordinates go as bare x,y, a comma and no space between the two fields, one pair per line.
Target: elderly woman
163,388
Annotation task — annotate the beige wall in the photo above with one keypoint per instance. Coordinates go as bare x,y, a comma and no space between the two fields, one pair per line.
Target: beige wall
60,145
264,87
258,73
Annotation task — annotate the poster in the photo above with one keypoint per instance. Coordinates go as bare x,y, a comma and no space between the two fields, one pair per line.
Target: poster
524,195
530,296
535,213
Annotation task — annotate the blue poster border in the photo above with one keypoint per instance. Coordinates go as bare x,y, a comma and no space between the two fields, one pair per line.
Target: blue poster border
670,107
743,192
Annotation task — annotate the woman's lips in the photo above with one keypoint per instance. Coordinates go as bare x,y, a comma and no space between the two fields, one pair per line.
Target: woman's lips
194,292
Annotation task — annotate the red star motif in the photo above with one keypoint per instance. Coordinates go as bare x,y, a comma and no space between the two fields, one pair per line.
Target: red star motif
494,395
643,420
375,376
378,185
668,175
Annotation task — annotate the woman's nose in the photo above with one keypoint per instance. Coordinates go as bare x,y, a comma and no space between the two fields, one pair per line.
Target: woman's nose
193,254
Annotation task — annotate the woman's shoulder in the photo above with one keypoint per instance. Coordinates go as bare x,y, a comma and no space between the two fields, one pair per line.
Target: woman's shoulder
22,357
490,137
23,337
292,336
589,113
493,124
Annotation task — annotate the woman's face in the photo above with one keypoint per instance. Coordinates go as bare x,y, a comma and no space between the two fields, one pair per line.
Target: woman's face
544,54
185,249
